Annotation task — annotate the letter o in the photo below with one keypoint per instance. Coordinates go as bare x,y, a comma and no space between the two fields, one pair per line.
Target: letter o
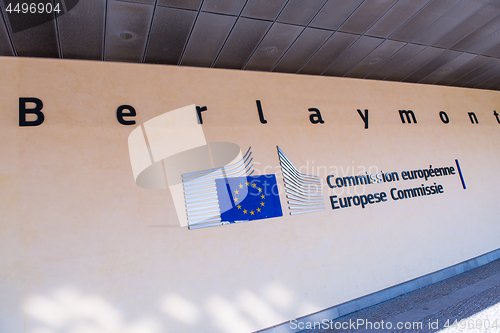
339,182
401,194
354,200
444,117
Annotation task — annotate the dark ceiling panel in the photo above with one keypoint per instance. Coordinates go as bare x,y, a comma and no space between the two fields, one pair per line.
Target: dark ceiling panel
334,13
486,44
5,46
333,47
186,4
448,68
495,86
488,74
347,61
432,66
449,21
397,60
481,35
223,6
402,11
300,12
468,26
127,17
375,59
366,15
428,15
81,31
307,43
169,34
463,70
491,81
21,19
146,2
444,42
209,33
279,38
242,41
493,78
421,59
489,63
39,41
263,9
494,51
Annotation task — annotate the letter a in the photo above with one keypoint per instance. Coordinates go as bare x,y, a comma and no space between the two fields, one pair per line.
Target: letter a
315,118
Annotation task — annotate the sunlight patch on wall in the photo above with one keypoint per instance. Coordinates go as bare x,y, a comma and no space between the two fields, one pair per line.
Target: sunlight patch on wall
226,316
180,309
307,307
259,310
279,296
70,311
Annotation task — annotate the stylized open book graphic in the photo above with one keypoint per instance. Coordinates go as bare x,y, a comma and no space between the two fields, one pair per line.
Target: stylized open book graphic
171,151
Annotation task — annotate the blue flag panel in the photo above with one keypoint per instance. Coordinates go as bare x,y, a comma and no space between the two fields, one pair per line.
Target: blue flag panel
248,198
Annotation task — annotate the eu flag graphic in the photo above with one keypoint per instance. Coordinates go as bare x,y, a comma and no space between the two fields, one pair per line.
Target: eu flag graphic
248,198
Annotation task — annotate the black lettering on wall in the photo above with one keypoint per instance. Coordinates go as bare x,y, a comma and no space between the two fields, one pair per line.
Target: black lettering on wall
36,111
407,113
473,118
444,117
120,114
496,115
261,114
315,118
199,110
364,117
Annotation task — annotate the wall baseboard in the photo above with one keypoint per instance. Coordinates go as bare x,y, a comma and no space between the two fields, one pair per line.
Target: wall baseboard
383,295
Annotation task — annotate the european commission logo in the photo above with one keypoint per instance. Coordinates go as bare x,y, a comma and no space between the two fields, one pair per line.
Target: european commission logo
248,198
213,183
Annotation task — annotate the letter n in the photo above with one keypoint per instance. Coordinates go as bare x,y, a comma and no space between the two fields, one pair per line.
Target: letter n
473,118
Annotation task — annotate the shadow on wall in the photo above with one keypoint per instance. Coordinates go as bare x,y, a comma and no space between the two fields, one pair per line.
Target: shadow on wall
68,310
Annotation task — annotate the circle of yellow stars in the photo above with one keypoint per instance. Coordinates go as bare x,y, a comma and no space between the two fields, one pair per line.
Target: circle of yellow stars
262,196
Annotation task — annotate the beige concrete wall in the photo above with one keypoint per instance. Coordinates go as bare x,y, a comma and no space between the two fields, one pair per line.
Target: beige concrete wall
84,249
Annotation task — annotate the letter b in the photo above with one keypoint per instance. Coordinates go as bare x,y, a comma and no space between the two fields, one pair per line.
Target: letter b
36,111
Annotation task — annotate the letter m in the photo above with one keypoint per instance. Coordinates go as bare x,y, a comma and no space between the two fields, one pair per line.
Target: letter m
407,113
